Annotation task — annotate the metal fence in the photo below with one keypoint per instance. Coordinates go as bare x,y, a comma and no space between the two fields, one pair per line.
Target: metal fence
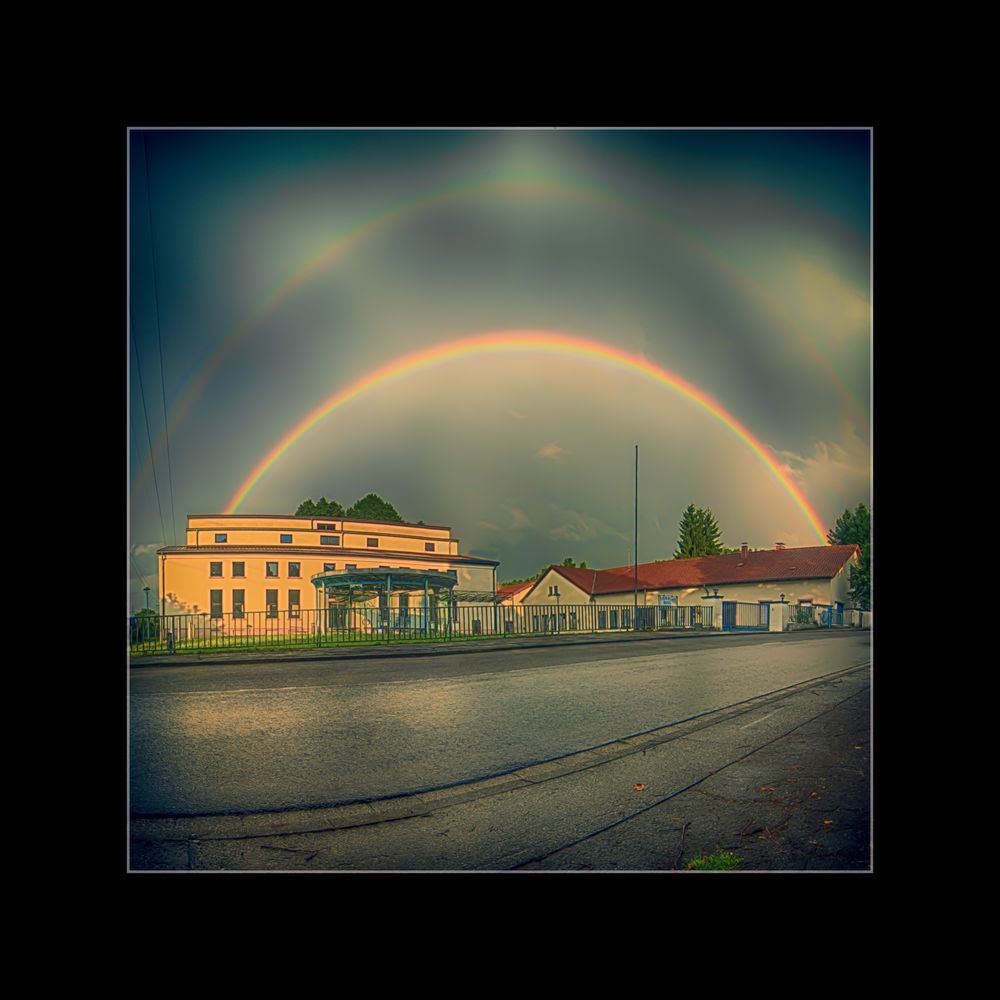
745,616
825,616
348,625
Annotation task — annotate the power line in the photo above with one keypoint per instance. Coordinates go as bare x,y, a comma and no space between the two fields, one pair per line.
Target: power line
138,571
149,439
159,344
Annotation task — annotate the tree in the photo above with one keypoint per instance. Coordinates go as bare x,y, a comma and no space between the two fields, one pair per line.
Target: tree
854,527
374,508
324,508
145,626
699,534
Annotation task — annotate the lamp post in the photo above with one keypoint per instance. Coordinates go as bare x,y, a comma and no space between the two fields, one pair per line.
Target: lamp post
556,595
146,626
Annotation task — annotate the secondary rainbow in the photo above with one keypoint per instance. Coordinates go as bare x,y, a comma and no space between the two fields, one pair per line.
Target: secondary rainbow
488,185
518,341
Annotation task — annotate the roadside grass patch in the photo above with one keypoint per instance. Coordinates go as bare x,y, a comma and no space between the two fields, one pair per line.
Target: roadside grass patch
720,861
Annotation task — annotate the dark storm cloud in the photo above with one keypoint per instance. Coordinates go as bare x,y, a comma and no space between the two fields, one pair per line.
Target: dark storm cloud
736,259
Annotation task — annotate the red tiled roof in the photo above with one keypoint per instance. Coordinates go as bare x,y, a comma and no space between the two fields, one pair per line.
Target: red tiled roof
512,589
816,561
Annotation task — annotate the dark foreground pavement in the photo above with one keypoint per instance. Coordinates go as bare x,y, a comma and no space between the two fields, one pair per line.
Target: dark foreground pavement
782,782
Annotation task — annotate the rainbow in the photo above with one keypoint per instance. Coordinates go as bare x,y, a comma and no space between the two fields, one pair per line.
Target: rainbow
497,185
519,341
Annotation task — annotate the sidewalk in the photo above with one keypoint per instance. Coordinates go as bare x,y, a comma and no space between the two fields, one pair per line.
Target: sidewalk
378,651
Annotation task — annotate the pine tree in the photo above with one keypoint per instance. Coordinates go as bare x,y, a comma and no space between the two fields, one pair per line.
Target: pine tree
699,534
855,528
711,533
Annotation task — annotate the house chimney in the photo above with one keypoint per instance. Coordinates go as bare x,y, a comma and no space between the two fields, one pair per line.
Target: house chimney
744,548
779,545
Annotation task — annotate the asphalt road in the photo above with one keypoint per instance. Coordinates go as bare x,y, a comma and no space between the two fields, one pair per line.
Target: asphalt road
240,738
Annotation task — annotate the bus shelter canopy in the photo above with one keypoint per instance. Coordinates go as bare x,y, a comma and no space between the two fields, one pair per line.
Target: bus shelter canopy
381,580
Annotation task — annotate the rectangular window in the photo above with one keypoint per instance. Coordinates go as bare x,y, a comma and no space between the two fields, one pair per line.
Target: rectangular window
272,569
326,527
239,603
239,569
215,600
293,604
293,569
329,567
286,539
372,543
428,546
215,569
351,566
329,539
221,538
271,600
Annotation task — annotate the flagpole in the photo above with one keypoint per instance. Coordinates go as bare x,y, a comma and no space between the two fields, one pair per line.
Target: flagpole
635,549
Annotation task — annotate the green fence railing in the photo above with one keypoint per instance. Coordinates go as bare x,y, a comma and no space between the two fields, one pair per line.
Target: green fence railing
348,625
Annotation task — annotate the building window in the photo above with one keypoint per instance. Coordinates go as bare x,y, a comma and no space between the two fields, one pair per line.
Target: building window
271,600
372,543
351,566
239,569
215,569
293,569
215,602
329,567
239,603
286,539
221,538
329,539
326,527
293,604
272,569
428,546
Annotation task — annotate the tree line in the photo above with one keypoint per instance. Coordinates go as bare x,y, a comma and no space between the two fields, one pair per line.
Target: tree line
371,507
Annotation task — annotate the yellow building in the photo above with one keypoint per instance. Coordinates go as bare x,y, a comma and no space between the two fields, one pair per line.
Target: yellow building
233,565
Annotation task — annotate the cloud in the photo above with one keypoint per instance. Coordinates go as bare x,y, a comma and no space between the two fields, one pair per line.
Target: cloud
553,451
835,475
830,303
578,526
488,525
146,550
520,519
517,415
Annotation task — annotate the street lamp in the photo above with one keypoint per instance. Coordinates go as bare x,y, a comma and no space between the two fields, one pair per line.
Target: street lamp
146,626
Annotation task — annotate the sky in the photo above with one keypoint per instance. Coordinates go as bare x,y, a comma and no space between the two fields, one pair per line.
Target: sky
703,294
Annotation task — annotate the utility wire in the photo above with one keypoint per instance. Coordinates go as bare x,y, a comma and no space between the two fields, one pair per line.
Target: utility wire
138,571
149,439
159,344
